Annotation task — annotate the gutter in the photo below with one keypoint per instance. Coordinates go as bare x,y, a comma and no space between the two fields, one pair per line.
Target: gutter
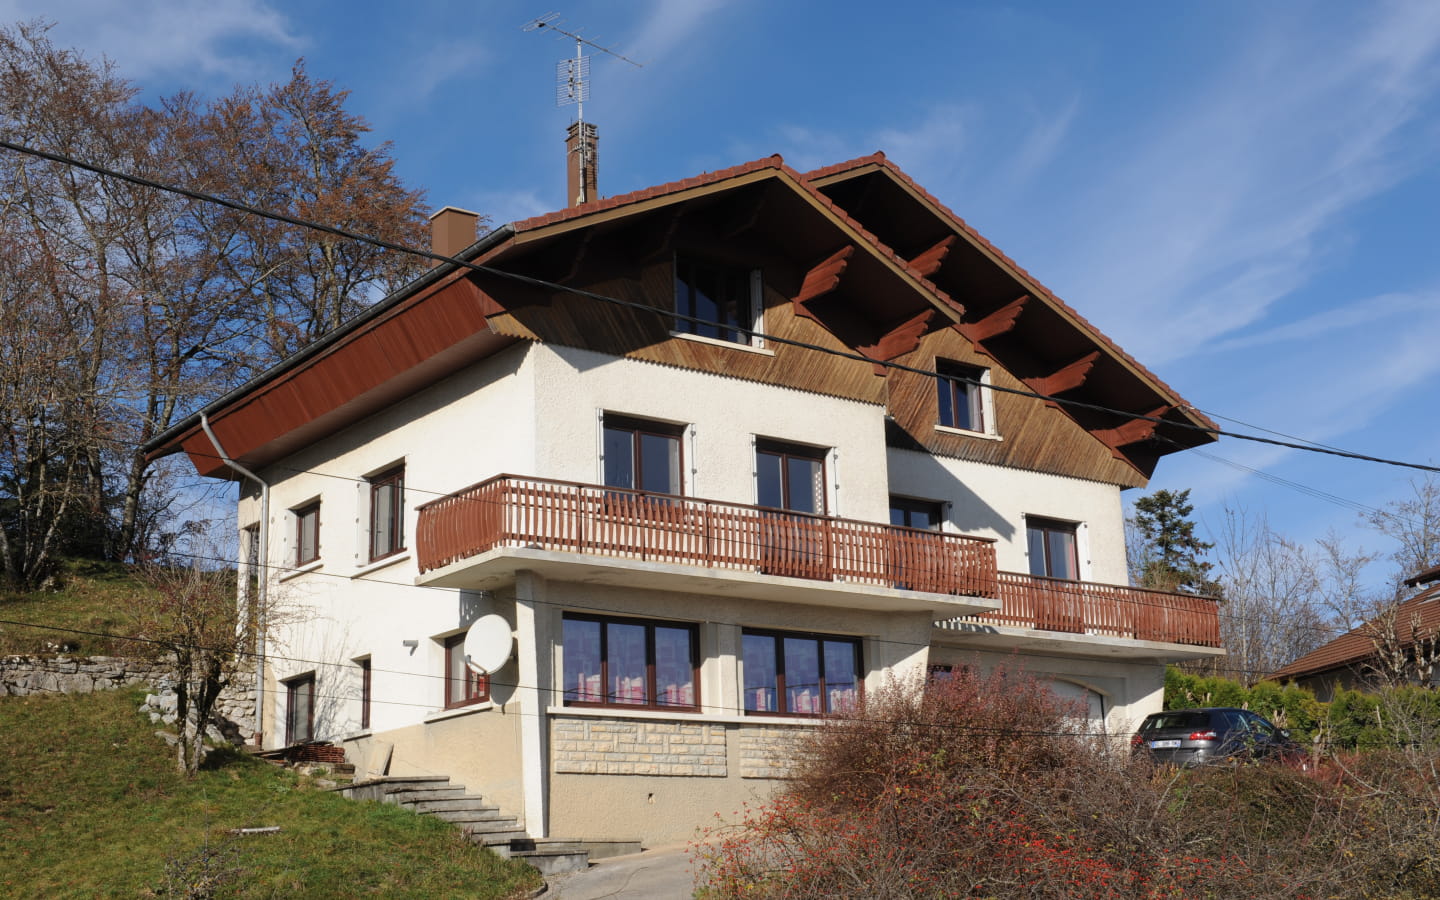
263,579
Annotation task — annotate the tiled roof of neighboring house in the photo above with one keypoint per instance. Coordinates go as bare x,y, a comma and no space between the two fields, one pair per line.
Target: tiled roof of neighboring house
1358,645
879,159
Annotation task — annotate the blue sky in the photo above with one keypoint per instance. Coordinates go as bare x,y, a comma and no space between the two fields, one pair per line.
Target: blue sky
1245,196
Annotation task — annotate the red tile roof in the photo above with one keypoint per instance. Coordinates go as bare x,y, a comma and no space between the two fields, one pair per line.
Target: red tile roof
1358,645
879,159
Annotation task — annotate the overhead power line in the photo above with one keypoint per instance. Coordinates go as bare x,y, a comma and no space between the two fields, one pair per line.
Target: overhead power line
676,316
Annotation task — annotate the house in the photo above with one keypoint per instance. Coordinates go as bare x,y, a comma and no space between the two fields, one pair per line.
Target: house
718,454
1352,660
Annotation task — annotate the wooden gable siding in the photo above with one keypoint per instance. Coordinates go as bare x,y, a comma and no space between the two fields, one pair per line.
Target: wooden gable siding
1033,434
577,321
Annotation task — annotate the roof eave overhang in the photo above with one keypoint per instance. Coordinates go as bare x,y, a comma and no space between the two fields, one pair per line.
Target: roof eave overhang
1189,427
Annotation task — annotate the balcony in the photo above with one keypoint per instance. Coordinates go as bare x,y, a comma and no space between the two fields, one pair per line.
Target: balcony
1059,609
480,536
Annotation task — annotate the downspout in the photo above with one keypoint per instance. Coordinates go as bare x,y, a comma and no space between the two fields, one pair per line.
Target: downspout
263,577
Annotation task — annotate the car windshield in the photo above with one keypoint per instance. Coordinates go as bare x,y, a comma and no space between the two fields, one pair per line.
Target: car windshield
1183,719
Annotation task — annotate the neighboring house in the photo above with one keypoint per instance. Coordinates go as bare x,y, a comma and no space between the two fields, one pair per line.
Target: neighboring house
703,538
1352,660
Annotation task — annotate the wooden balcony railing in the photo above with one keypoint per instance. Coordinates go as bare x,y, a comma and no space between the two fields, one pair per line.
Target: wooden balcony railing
1052,604
511,511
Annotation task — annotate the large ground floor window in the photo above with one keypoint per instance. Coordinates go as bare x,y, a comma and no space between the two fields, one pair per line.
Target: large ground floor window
630,663
793,674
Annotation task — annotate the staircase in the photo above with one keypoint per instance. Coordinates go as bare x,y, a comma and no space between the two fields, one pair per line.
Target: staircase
434,795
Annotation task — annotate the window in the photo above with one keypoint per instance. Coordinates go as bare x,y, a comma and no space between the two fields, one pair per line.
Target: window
790,477
631,663
908,512
387,513
307,533
365,683
644,456
1052,548
463,685
300,709
795,674
725,295
962,405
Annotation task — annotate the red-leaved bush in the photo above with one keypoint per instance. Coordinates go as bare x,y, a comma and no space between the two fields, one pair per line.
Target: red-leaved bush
987,786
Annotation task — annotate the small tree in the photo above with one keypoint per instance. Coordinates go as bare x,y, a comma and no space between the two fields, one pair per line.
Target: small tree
189,618
1169,555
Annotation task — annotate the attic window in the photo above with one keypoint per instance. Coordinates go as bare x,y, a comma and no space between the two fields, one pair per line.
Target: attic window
962,404
725,298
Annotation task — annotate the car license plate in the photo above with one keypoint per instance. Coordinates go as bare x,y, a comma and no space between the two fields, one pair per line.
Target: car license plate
1164,745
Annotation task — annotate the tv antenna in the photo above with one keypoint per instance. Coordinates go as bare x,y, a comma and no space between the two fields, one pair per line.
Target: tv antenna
572,76
572,86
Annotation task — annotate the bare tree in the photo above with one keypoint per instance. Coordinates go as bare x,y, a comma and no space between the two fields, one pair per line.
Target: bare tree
190,620
1273,610
1414,524
153,303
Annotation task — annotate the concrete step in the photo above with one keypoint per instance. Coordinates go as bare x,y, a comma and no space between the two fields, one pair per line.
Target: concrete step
554,862
499,841
451,804
478,825
409,797
419,785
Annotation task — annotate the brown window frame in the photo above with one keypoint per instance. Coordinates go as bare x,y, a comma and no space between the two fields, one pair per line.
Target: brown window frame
293,687
652,702
303,514
637,429
1046,527
781,693
366,674
473,688
908,506
687,271
391,479
787,451
954,392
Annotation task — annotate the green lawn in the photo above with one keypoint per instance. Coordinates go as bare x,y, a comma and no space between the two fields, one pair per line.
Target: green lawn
89,601
91,805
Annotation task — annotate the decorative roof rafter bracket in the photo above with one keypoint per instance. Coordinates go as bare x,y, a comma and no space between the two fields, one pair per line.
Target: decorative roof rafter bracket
928,263
1132,431
997,323
898,341
821,280
1067,378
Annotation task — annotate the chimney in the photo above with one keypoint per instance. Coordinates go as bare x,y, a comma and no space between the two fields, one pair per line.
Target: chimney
580,163
451,230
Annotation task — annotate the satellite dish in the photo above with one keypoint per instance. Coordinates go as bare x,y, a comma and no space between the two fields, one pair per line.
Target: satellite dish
488,644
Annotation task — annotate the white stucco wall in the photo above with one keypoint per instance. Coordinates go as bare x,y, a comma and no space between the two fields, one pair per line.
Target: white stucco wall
993,501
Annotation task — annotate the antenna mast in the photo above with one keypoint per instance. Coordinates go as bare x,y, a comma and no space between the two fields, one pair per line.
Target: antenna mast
572,85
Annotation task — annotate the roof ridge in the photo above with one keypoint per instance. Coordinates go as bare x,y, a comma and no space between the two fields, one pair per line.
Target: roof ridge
773,161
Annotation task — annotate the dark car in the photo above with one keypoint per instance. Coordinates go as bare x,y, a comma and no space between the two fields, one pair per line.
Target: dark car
1187,737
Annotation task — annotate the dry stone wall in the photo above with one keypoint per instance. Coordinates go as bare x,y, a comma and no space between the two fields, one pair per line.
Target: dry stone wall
25,675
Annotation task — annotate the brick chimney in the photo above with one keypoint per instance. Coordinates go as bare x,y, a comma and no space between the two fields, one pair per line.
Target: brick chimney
451,230
581,163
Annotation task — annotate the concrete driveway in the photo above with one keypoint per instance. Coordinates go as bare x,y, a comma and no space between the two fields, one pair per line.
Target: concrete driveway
661,873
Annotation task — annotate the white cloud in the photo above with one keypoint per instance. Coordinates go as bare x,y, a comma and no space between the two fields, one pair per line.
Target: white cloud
160,39
1229,200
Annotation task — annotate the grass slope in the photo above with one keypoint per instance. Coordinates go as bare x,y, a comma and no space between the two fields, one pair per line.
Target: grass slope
89,603
91,805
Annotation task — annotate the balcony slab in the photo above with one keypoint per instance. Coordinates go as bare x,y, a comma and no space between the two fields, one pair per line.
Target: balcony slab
497,568
1004,638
